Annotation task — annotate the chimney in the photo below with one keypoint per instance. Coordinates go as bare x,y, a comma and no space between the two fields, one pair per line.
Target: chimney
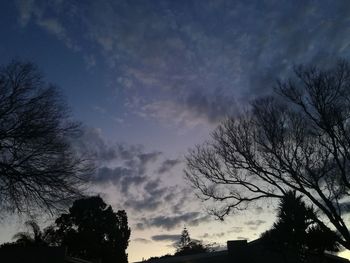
237,251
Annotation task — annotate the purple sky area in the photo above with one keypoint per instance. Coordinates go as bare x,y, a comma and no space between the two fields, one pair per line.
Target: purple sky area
150,79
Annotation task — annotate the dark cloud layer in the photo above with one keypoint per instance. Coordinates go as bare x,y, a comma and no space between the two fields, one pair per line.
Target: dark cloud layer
172,238
171,222
138,177
200,57
167,165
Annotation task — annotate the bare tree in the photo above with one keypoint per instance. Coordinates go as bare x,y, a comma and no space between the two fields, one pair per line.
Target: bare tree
298,139
39,168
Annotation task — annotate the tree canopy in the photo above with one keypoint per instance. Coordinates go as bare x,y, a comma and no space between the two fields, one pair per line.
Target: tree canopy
92,230
296,230
38,166
296,139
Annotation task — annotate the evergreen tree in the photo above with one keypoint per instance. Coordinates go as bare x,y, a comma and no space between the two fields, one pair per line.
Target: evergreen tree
296,230
185,239
186,246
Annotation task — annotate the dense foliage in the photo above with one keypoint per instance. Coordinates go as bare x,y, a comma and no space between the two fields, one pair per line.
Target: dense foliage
92,230
296,230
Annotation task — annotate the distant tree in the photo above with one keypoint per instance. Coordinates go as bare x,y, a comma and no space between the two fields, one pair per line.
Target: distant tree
185,239
186,246
38,166
297,139
92,230
35,237
296,230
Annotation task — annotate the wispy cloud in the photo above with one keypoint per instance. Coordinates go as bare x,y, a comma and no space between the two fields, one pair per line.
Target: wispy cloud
257,222
237,229
195,71
168,165
142,240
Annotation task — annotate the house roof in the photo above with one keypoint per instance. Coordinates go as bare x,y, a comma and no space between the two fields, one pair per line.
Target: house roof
242,251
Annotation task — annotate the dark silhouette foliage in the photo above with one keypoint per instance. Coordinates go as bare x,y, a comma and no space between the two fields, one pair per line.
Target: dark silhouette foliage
92,230
35,237
38,167
186,246
298,139
296,231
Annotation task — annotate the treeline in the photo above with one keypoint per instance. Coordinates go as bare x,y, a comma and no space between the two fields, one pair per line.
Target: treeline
295,234
90,230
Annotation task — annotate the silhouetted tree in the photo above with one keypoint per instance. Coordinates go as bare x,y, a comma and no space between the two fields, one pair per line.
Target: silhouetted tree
296,231
38,167
35,237
185,239
92,230
186,246
297,140
319,240
293,219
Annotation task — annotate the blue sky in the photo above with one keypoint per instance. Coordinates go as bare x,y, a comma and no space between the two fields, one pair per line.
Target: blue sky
150,79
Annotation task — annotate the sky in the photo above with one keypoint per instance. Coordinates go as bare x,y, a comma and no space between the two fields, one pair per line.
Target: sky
150,79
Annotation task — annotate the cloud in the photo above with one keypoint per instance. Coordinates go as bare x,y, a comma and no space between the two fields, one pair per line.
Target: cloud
165,237
243,238
254,224
214,235
142,240
196,73
167,165
37,11
199,220
25,11
120,164
171,222
131,175
122,177
259,210
154,196
52,26
92,143
194,109
145,204
199,70
236,229
257,222
147,158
